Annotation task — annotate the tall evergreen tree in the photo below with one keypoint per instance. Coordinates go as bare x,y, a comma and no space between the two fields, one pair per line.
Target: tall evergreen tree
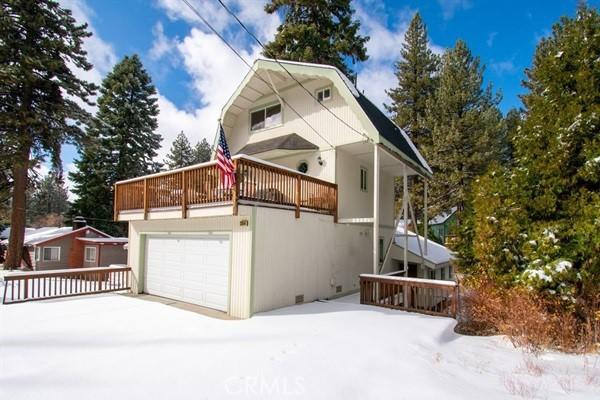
466,127
49,197
538,222
181,153
415,73
121,145
40,42
202,152
416,76
319,31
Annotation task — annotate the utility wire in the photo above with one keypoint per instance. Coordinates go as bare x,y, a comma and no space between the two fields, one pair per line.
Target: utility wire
288,72
269,85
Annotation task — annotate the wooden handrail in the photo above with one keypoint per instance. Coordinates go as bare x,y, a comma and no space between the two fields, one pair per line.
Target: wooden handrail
256,182
41,285
426,296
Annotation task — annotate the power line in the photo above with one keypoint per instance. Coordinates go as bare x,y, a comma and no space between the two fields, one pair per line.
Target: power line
288,72
191,7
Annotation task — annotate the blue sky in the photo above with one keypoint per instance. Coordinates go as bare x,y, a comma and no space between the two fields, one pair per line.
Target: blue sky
195,73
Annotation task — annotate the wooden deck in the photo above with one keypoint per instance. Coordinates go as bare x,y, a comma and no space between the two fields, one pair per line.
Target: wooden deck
42,285
200,185
426,296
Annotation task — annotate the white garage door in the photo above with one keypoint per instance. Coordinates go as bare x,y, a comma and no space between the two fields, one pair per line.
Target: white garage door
194,269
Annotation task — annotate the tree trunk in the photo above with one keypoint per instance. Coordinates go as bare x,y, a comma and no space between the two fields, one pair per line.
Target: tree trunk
17,217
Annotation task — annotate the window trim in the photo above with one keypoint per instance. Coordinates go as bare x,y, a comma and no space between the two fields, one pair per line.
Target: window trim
264,108
85,249
50,247
322,89
37,253
364,189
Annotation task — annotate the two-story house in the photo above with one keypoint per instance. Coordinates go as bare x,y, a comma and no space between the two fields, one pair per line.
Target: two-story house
312,208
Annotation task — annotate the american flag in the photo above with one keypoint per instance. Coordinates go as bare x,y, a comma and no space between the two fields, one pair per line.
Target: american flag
224,162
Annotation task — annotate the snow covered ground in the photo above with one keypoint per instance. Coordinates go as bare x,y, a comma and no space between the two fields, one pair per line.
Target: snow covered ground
112,346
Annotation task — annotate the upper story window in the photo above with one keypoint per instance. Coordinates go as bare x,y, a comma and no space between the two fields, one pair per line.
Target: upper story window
265,117
324,94
51,254
363,179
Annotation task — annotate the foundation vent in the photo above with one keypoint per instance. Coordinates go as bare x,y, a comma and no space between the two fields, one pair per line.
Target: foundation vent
299,299
338,289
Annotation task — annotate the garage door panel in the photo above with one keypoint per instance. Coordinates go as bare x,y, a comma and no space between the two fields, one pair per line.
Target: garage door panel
192,269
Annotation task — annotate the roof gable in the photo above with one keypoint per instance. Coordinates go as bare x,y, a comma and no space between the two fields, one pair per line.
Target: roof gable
378,128
61,235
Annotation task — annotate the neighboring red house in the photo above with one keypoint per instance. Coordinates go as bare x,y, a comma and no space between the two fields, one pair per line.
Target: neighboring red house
80,246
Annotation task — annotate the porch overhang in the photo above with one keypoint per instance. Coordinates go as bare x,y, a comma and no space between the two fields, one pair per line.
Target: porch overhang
279,146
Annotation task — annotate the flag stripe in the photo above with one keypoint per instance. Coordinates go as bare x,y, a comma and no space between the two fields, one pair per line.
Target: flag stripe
224,162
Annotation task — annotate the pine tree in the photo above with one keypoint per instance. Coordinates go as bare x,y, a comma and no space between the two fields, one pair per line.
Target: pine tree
121,145
558,149
415,73
181,153
466,127
202,152
322,32
512,124
49,197
537,223
40,42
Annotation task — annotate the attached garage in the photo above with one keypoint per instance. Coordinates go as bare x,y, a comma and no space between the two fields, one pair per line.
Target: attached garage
193,269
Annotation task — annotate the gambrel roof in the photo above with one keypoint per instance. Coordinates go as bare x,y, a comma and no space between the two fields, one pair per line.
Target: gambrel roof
377,126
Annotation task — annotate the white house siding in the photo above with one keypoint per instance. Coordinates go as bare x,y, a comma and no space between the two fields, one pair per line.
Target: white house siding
336,132
325,172
355,203
307,256
241,241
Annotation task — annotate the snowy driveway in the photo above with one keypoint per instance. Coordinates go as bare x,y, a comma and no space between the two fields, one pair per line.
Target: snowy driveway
118,347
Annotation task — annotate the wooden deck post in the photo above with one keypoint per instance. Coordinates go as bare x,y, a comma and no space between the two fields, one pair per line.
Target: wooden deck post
376,209
298,193
115,205
236,187
145,199
183,195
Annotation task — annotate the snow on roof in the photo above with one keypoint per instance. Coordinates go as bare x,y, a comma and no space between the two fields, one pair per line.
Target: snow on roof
34,235
104,240
443,217
43,234
436,253
48,233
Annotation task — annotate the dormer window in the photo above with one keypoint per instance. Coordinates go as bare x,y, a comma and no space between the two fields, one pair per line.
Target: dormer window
265,117
324,94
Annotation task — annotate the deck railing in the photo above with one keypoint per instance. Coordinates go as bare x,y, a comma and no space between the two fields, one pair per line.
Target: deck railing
257,182
41,285
425,296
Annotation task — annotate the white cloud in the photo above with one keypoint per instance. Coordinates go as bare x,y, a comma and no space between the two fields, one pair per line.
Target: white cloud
449,7
503,67
162,45
251,13
491,38
100,53
213,79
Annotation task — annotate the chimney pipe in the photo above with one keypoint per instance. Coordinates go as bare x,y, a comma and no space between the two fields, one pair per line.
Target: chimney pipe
79,222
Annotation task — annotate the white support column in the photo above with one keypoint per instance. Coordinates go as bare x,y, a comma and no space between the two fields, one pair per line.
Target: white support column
425,220
375,209
405,207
